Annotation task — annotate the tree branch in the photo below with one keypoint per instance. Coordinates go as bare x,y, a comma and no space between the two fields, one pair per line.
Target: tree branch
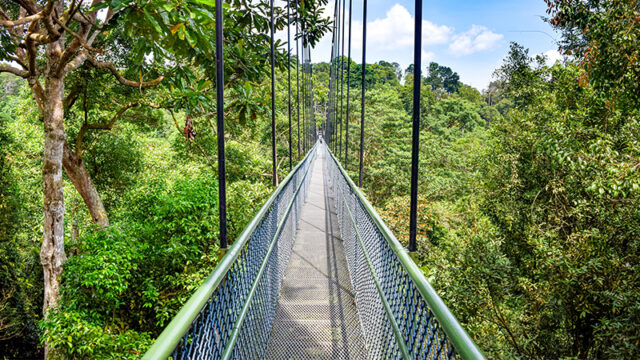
109,66
38,93
46,19
108,126
71,99
78,41
14,71
31,6
76,62
24,20
19,62
32,51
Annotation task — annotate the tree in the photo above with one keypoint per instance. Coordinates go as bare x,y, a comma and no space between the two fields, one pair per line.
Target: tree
603,35
442,77
409,70
520,74
469,93
453,116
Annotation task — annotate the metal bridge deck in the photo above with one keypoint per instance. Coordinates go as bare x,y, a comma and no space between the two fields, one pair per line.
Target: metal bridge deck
316,316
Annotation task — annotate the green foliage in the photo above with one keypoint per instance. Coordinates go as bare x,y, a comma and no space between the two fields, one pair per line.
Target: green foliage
454,116
442,78
561,190
76,336
470,94
20,278
114,160
130,279
103,269
604,36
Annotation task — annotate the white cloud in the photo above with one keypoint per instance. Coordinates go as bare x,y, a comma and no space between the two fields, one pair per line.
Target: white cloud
396,30
553,56
427,56
433,34
478,38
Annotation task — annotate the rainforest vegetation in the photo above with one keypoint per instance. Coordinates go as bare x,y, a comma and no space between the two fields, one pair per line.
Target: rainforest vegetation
529,198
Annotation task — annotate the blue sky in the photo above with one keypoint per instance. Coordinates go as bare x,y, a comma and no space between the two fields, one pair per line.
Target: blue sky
471,37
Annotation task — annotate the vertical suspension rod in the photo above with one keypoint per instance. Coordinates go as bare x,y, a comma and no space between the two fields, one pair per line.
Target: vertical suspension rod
273,104
335,93
364,72
415,143
312,104
346,134
289,82
298,76
304,94
341,76
222,193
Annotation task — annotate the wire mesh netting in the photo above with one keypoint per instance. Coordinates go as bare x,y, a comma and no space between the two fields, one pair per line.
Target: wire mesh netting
371,259
210,333
316,317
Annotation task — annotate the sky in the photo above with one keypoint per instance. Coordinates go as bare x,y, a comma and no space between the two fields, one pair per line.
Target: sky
470,36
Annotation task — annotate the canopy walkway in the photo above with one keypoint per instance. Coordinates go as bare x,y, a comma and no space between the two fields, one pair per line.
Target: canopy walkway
315,275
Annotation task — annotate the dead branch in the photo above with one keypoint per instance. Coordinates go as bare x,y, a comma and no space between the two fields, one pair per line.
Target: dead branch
175,121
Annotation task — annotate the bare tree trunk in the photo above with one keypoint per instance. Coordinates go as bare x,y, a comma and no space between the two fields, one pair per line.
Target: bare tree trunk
81,179
52,255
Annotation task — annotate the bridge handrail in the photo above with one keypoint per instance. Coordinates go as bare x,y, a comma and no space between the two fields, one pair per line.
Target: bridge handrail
459,338
170,337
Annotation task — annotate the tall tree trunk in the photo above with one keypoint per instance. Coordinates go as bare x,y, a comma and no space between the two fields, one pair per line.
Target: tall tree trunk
52,254
79,176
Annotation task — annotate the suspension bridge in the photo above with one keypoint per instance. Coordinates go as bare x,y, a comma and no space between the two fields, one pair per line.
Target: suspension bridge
316,274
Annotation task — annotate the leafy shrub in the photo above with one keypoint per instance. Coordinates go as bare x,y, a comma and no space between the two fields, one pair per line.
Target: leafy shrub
74,334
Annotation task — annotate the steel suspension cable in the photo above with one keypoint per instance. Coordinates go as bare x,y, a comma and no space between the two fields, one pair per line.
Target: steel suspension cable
332,81
308,122
326,124
325,131
304,92
309,99
364,72
312,124
305,72
415,143
289,76
341,78
273,104
346,140
298,75
222,187
334,64
335,92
